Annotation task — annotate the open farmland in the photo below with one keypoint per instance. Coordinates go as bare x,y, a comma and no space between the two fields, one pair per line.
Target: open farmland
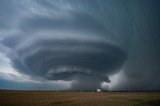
38,98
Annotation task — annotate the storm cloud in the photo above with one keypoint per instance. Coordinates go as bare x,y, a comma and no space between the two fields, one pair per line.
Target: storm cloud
85,42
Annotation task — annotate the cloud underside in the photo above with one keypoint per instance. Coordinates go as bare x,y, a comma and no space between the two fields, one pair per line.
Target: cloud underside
74,46
81,42
71,59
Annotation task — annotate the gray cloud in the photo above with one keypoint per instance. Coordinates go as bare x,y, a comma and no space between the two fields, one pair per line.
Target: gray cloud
141,70
79,41
72,46
67,58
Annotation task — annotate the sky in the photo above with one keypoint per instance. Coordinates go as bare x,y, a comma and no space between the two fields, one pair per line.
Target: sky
80,45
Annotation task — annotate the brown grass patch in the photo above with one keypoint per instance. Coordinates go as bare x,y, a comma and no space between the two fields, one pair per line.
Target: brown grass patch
21,98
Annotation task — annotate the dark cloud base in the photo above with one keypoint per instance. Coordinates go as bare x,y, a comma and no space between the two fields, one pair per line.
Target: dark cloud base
83,41
71,59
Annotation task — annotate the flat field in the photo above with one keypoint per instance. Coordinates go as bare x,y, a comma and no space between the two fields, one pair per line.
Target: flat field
48,98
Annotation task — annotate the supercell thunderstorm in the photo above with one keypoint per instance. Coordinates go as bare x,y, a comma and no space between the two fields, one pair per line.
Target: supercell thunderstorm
84,42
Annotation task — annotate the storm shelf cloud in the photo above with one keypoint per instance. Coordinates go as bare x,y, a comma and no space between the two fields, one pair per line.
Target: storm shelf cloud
80,45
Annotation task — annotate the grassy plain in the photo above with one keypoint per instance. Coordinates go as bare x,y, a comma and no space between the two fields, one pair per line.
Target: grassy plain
44,98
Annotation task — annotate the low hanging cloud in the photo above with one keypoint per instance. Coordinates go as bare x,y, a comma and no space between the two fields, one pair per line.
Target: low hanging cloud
82,43
68,45
71,59
66,55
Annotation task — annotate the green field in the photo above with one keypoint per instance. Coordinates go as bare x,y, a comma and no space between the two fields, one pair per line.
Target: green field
35,98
